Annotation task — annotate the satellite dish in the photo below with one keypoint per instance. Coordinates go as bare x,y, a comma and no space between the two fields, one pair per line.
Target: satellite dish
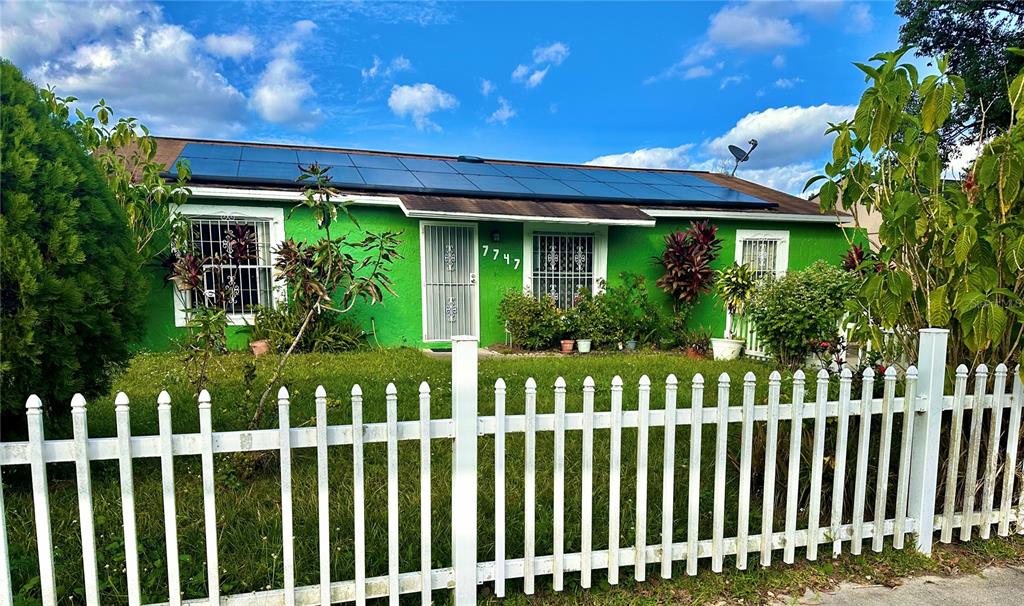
741,155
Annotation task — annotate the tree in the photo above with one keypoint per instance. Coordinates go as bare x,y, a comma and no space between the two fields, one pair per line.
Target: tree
71,285
975,34
950,253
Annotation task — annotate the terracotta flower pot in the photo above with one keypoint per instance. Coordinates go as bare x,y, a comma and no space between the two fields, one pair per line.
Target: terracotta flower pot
567,345
260,347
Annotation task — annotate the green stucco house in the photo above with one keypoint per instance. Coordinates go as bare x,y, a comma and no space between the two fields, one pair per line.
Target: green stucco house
474,228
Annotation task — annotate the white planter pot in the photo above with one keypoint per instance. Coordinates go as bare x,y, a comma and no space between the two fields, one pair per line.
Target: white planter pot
726,349
583,345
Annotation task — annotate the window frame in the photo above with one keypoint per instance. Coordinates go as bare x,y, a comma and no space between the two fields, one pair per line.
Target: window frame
781,250
278,292
599,232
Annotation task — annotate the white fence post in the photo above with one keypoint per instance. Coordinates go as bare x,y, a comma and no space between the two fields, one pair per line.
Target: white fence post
464,467
931,359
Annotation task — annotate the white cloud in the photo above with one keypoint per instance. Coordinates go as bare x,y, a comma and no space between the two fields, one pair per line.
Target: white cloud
418,101
379,69
487,87
791,141
779,61
554,53
747,26
697,71
730,80
234,46
284,91
788,82
859,19
544,57
128,55
503,114
648,157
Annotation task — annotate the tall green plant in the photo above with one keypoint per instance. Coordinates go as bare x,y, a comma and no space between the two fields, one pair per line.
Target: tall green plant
734,287
950,253
687,262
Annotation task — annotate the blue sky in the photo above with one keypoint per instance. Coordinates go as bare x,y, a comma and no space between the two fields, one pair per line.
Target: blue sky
644,84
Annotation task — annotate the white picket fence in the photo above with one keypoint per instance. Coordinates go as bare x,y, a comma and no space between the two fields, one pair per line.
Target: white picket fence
913,478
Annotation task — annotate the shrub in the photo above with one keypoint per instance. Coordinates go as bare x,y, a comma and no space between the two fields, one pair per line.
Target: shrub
687,262
735,285
631,313
796,313
533,323
326,333
72,283
591,318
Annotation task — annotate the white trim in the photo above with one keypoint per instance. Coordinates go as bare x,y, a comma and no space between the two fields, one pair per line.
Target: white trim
600,249
781,251
276,217
284,195
423,278
749,215
561,221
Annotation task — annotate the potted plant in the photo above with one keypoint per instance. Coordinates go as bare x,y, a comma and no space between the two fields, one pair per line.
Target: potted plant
698,345
569,322
588,320
734,287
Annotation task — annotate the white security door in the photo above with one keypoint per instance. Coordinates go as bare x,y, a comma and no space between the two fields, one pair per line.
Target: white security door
449,260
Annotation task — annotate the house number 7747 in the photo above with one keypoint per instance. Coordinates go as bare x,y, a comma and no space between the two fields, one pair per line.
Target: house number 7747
494,257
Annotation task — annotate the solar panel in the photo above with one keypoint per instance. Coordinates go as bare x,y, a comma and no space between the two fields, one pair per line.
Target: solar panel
518,170
210,167
269,171
382,177
549,187
564,173
594,189
689,194
370,161
270,154
209,150
643,191
428,166
499,185
310,156
345,175
474,168
731,195
609,176
450,181
686,179
651,178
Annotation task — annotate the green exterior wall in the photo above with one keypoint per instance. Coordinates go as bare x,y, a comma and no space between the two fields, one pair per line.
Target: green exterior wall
398,320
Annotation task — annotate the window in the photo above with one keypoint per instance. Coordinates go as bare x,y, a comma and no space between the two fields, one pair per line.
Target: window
562,264
767,252
233,254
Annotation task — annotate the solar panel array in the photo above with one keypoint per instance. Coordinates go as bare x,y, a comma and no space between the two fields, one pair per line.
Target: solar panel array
377,172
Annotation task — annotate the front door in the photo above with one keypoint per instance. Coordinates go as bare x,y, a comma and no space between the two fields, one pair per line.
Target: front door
449,260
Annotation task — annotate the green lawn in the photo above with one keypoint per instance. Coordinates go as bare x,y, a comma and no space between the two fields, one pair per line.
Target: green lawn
249,499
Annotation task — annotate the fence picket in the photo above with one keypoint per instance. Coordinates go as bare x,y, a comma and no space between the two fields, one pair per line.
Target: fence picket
1010,467
668,482
358,496
323,495
530,487
903,482
817,460
884,451
167,481
614,480
991,462
642,432
587,484
124,463
391,403
746,452
287,525
6,590
499,488
558,523
771,445
80,426
693,486
953,466
721,444
973,450
839,476
793,473
40,500
209,498
860,482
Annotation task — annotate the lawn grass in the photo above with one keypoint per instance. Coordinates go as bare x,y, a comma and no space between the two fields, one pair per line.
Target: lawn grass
248,503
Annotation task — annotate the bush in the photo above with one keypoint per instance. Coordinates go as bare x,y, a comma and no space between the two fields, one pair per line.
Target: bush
687,262
72,283
326,333
590,318
533,323
796,313
631,313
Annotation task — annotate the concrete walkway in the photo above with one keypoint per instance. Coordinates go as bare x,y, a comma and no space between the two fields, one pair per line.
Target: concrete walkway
995,586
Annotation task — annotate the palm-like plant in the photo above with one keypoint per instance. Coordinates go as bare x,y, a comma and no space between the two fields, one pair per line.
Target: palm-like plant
734,286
